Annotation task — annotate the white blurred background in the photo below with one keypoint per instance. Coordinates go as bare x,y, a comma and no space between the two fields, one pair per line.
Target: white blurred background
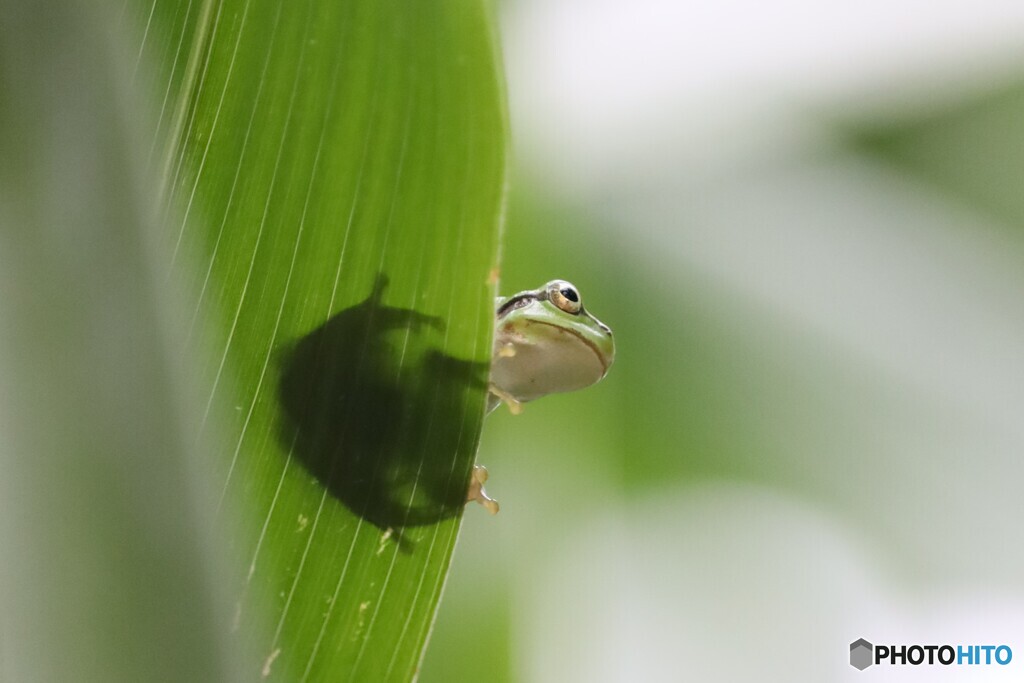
805,223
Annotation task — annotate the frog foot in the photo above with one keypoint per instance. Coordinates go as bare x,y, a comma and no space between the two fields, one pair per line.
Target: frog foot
476,489
514,406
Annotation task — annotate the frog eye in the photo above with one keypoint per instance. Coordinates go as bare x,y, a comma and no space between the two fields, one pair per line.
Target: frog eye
565,296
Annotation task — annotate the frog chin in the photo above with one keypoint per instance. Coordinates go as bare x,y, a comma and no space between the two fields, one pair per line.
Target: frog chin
565,361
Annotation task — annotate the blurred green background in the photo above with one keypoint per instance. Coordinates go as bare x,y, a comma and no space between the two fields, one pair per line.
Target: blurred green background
805,229
802,221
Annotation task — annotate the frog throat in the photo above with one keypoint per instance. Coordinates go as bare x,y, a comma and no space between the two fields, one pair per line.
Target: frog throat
590,344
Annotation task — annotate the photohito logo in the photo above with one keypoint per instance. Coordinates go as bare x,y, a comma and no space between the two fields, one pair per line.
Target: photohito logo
863,654
860,654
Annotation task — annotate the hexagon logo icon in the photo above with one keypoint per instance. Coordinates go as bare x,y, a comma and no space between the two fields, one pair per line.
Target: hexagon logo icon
861,654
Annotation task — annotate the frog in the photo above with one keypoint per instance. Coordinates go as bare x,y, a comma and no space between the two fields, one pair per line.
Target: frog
545,342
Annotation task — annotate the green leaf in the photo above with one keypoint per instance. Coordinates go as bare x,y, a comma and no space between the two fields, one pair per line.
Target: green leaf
337,173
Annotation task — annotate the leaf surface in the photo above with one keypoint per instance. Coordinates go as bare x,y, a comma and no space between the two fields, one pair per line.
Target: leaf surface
336,170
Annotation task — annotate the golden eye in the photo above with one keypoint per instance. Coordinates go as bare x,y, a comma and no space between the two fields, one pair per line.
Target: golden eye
565,296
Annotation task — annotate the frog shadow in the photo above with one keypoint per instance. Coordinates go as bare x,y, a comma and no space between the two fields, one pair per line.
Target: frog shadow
375,423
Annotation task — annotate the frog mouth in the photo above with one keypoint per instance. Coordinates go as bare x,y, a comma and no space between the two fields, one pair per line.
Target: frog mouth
590,344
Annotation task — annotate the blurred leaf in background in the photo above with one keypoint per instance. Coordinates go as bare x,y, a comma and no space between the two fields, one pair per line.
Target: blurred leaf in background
969,149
